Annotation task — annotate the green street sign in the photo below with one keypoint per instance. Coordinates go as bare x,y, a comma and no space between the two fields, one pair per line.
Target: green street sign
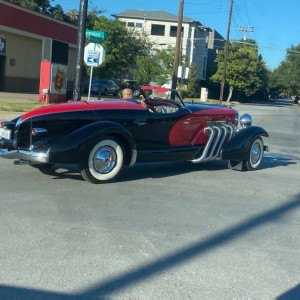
96,34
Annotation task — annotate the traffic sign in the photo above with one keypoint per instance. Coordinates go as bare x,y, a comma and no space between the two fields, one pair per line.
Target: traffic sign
96,34
93,58
94,54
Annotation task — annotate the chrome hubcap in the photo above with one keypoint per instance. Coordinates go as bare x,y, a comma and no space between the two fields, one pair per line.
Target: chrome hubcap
255,153
105,160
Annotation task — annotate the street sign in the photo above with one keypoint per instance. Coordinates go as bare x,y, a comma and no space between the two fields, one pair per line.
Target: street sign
94,54
93,58
96,34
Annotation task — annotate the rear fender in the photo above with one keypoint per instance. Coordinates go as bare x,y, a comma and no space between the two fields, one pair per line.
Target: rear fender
239,146
74,147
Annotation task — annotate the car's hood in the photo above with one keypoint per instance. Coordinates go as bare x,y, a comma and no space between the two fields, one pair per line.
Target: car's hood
80,106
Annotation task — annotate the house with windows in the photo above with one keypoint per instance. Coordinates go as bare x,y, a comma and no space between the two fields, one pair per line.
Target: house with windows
197,45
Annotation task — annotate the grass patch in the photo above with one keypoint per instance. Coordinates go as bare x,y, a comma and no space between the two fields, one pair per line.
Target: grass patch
19,107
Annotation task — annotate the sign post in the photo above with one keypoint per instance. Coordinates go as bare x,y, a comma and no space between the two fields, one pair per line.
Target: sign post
94,53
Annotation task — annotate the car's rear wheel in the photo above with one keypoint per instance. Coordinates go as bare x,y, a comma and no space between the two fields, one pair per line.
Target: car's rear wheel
255,155
104,162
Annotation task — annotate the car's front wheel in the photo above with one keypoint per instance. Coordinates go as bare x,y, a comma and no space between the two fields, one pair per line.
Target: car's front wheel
255,155
104,162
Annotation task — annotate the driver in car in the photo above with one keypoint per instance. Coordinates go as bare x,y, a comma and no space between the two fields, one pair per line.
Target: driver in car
128,95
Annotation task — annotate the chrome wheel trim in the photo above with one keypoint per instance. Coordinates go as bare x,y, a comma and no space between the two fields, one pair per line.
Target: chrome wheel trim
104,160
105,169
256,153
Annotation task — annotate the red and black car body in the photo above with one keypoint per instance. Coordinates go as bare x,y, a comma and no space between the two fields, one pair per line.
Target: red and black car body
103,136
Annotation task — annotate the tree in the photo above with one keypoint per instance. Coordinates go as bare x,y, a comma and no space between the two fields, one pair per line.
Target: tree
156,67
41,6
285,78
146,69
122,46
246,72
45,7
164,58
192,83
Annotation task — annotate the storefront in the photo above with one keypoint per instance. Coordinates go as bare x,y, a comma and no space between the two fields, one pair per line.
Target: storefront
27,41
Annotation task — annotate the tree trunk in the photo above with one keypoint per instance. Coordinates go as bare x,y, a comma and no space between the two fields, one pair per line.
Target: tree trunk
229,95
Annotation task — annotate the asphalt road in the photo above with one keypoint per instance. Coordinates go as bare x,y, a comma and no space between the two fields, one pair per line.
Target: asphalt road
163,231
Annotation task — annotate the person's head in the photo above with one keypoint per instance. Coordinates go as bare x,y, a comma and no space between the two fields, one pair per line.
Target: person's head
127,93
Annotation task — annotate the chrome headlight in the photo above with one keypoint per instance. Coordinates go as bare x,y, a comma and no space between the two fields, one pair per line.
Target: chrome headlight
245,120
236,118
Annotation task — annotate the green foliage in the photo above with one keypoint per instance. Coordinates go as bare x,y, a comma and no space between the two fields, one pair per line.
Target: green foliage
42,6
245,70
285,78
121,47
157,67
45,7
164,58
146,70
192,84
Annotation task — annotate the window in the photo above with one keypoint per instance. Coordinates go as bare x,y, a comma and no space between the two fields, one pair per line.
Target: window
130,24
173,31
158,30
139,25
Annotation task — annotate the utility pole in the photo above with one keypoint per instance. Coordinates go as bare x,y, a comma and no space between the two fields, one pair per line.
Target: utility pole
80,49
226,52
178,45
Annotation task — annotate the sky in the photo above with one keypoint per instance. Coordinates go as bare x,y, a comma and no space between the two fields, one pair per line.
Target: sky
274,24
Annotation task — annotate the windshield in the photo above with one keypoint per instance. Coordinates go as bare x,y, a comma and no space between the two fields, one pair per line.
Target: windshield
161,93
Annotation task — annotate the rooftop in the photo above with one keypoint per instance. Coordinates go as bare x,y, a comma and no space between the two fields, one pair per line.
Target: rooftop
157,15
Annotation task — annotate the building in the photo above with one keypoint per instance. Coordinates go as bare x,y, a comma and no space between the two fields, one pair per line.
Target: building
27,39
161,28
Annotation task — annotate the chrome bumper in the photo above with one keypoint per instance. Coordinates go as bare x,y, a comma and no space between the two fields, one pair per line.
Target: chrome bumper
25,155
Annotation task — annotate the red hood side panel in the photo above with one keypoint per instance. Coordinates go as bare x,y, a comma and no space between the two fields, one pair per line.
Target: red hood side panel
189,130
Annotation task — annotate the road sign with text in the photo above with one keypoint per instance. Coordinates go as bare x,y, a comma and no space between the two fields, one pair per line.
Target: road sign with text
94,54
96,34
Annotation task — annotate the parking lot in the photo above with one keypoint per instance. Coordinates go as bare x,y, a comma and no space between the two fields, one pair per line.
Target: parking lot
163,231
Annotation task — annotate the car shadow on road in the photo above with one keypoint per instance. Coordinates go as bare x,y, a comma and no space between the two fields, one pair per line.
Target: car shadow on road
274,160
168,169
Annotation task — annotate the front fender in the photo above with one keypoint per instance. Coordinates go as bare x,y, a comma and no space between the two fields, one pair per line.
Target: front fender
74,147
239,146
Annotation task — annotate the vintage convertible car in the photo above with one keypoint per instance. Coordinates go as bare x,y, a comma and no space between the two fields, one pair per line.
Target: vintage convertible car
103,136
